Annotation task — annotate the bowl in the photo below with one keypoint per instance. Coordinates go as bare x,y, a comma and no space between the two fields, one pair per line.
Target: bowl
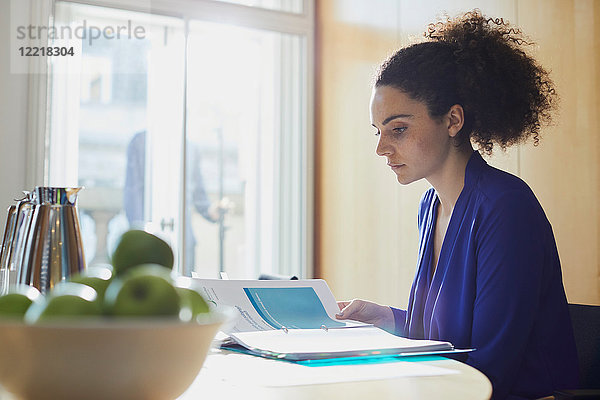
105,358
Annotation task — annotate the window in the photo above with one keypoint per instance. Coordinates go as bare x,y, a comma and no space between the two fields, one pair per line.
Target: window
196,130
293,6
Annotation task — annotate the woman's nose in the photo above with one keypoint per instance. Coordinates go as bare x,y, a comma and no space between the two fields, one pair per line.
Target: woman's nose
383,148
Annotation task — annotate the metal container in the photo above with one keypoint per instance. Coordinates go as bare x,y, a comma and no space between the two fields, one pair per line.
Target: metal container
5,250
18,223
52,248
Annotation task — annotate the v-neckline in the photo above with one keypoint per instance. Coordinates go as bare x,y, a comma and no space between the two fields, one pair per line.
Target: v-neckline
434,224
432,271
426,286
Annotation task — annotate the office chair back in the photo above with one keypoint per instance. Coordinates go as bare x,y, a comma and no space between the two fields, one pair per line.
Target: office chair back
586,327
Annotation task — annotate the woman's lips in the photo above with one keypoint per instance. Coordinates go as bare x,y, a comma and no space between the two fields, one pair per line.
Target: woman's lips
395,166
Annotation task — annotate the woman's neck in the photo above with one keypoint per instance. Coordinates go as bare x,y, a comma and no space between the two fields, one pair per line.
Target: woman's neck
449,181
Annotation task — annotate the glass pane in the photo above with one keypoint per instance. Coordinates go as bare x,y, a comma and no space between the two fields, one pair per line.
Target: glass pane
245,151
117,122
292,6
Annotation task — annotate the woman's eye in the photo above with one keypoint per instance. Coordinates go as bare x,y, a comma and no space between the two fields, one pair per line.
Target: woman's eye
399,129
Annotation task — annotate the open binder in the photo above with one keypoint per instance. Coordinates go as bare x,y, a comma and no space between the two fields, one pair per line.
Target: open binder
294,321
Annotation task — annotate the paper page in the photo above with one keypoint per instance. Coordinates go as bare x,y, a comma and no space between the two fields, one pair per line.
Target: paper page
244,370
267,305
307,341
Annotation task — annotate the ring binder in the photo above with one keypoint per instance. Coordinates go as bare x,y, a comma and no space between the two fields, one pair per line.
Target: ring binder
270,327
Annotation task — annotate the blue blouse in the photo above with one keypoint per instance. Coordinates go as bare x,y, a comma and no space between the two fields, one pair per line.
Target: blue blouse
497,286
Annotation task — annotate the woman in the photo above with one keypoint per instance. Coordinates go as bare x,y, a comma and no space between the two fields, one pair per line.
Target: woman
488,274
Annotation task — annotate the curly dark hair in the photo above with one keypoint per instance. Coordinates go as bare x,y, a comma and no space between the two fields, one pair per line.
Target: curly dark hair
479,63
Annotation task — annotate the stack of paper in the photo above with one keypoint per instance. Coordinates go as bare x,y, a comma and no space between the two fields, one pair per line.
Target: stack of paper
294,320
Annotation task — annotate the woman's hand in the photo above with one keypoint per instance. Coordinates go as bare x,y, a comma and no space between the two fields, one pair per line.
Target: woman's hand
367,312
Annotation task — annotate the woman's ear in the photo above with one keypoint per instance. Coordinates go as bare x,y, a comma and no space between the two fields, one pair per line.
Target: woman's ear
456,119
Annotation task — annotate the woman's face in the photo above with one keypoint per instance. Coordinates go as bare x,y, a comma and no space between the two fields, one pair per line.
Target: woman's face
415,145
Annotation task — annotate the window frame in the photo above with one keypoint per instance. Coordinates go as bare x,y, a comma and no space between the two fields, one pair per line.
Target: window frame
202,10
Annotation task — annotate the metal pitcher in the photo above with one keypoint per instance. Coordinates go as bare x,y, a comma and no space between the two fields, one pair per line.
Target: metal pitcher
5,251
52,249
18,223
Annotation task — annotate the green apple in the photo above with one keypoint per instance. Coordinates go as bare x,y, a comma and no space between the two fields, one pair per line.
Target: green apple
137,247
150,269
96,277
67,300
192,302
142,296
15,303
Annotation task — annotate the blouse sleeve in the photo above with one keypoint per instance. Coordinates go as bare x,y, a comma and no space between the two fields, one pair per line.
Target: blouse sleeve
399,321
510,263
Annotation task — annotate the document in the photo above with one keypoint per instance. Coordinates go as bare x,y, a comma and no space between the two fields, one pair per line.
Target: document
269,305
295,321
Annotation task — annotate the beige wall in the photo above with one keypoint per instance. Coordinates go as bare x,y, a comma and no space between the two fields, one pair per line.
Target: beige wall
564,170
366,235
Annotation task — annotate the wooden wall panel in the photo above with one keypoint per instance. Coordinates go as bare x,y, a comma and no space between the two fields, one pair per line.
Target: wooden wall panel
564,169
353,202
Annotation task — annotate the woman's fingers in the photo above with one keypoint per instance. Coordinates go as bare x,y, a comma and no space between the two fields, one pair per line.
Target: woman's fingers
342,304
367,312
348,309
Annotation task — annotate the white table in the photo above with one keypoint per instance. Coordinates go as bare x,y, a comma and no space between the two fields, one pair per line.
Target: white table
229,376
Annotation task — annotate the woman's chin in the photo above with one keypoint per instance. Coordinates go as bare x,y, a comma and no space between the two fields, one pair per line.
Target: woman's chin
405,180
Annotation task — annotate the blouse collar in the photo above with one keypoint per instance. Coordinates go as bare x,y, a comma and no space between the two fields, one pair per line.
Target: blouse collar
475,164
